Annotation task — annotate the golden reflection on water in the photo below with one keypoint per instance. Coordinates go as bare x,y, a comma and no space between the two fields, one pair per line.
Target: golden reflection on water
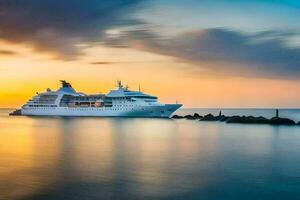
40,154
142,158
91,150
156,152
29,155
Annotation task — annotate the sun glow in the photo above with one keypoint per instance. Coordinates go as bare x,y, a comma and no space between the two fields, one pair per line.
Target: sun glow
26,72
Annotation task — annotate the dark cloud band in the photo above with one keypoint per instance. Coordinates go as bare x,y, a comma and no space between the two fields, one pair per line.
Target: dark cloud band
263,54
59,25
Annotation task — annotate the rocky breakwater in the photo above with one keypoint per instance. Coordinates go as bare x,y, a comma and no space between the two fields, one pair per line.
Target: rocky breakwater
240,119
260,120
189,117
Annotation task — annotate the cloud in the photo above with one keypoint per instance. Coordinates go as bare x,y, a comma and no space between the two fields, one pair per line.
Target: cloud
126,62
60,26
7,52
64,27
102,63
258,54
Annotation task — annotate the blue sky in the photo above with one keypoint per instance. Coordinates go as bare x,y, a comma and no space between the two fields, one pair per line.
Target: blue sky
236,14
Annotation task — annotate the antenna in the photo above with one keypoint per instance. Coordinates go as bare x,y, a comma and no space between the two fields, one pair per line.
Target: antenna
119,84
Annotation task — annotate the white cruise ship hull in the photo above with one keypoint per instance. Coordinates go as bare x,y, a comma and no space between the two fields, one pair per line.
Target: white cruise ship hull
160,111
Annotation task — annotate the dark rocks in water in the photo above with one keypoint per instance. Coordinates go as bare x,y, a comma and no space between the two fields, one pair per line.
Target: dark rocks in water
210,117
177,117
281,121
260,120
247,120
191,117
223,118
16,113
239,119
197,116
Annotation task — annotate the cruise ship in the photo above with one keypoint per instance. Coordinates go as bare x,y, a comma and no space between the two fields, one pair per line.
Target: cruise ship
120,102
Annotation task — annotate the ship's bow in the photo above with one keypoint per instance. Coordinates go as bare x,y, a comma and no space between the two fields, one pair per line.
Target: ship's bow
170,109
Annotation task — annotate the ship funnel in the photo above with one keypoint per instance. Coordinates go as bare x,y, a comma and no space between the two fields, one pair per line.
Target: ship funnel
65,84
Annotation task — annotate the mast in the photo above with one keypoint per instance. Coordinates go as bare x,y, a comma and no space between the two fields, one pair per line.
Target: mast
120,84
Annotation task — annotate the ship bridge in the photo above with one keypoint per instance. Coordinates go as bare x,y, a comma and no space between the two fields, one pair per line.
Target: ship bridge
123,92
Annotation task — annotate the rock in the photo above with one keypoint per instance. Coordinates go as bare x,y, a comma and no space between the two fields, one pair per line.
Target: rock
247,120
210,117
260,120
177,117
281,121
16,113
197,116
298,123
223,118
235,119
191,117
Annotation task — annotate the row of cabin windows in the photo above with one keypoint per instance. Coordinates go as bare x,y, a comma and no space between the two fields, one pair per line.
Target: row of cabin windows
41,108
120,109
88,106
83,105
84,109
42,105
48,96
125,105
80,98
44,102
137,97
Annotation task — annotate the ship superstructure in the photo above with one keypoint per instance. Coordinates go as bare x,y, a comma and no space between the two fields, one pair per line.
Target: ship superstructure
121,102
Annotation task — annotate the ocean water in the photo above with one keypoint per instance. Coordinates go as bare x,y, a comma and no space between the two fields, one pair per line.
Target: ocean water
125,158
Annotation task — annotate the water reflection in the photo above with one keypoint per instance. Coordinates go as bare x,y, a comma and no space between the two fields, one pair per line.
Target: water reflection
94,158
29,157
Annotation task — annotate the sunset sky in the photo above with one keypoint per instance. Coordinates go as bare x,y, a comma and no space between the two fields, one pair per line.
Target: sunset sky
202,53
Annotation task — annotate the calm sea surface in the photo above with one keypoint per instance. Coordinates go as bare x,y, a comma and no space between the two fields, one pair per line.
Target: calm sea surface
123,158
